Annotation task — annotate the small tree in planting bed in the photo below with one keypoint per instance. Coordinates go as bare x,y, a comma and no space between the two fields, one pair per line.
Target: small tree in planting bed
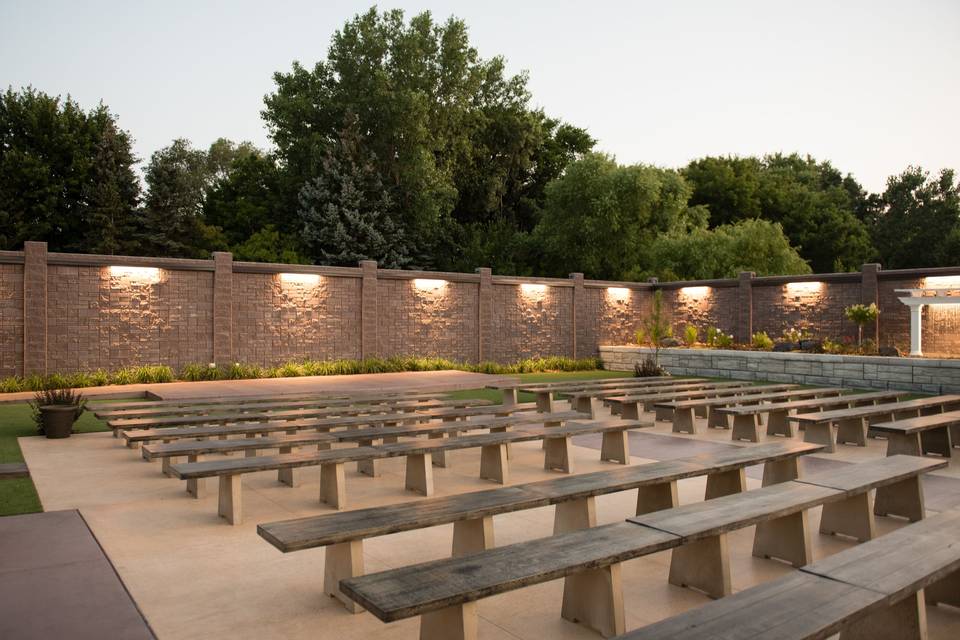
862,314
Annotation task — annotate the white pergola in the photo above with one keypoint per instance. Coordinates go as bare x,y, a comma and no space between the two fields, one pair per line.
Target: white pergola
916,299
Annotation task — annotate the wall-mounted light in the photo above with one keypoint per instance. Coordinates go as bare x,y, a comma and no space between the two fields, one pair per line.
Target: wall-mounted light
428,284
302,279
138,275
529,288
803,288
941,282
618,294
695,293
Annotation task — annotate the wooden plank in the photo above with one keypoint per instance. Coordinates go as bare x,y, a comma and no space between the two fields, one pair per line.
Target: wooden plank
877,409
431,586
810,403
654,395
206,447
265,397
651,381
878,472
14,470
730,459
920,424
798,606
749,398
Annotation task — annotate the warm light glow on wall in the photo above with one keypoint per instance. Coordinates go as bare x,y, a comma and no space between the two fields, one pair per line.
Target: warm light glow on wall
302,279
426,284
695,293
136,275
533,289
941,282
618,294
802,288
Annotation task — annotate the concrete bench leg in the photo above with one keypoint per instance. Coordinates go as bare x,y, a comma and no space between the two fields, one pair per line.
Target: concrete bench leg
663,414
745,428
937,441
557,455
420,474
717,420
251,453
545,402
904,443
290,476
342,560
776,471
165,465
779,425
700,412
230,505
703,565
499,430
472,536
584,404
784,538
493,463
655,497
906,620
853,431
509,397
439,456
904,499
594,598
458,622
573,515
945,590
725,483
821,433
628,410
196,487
615,447
369,467
851,517
683,420
333,485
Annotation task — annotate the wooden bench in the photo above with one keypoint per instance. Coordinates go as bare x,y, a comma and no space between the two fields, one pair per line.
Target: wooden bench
746,418
937,433
266,405
510,391
630,404
251,445
589,401
472,513
320,424
852,423
873,591
683,410
444,593
494,463
291,414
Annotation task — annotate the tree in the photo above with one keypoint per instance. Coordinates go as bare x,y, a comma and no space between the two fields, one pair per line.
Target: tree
66,176
723,252
346,212
599,216
455,142
918,220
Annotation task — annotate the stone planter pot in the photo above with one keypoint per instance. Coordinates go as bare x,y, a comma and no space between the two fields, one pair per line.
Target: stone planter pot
58,420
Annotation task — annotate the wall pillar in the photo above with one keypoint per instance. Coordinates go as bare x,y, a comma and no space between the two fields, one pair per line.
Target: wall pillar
870,292
223,307
745,307
368,309
34,308
579,307
485,314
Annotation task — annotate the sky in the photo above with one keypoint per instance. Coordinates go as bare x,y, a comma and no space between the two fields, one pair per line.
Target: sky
871,86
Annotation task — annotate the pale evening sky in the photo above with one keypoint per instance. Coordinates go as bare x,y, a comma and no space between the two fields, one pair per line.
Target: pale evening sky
871,86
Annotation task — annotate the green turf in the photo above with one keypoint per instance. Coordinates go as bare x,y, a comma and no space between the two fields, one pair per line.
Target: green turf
18,495
494,395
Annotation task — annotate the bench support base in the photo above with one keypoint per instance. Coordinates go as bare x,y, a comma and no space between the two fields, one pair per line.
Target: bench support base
937,441
851,517
229,504
420,474
342,560
573,515
683,419
656,497
439,456
333,485
557,454
615,447
628,410
946,590
779,425
784,538
716,420
746,427
594,598
852,431
904,499
471,536
906,620
821,433
725,483
776,471
493,463
459,622
703,565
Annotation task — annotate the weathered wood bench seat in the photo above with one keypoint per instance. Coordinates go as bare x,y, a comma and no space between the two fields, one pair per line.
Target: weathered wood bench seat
494,463
852,423
510,391
683,410
251,444
266,405
874,591
746,418
630,404
320,424
589,401
224,417
937,433
574,496
445,592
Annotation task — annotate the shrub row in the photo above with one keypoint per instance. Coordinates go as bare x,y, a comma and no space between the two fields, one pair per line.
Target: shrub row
238,371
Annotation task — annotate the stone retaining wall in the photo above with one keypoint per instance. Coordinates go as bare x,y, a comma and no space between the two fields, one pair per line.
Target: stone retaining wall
924,375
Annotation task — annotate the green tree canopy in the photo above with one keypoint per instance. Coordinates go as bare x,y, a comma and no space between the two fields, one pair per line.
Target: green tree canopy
66,176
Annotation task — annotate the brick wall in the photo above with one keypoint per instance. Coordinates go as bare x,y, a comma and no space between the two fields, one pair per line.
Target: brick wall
87,312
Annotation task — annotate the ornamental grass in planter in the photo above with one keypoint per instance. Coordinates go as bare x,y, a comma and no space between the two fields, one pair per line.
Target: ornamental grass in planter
56,410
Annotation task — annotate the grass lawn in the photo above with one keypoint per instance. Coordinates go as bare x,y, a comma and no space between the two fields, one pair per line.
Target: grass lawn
18,495
495,395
